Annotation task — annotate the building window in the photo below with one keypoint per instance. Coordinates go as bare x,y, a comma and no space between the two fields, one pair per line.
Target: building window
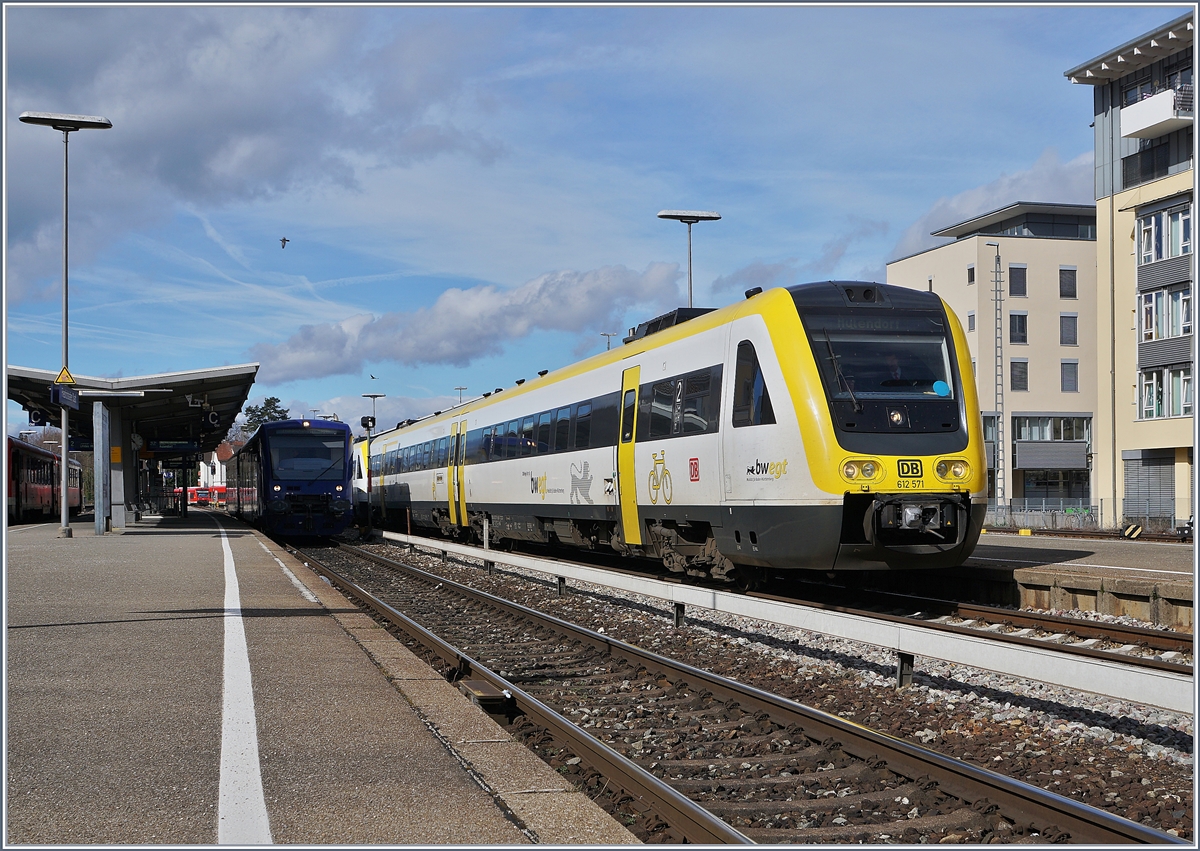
1149,164
1167,233
970,275
1016,281
1164,313
1165,392
1066,284
1069,376
1018,328
1068,329
1137,87
1052,428
1018,374
970,320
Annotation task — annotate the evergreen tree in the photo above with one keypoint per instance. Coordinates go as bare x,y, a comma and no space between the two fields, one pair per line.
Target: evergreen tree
269,411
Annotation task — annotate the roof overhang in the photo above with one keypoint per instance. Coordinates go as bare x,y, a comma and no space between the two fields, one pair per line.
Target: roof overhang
1019,208
157,406
1136,54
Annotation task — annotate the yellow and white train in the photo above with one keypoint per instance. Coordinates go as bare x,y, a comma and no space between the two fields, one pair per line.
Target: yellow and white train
825,426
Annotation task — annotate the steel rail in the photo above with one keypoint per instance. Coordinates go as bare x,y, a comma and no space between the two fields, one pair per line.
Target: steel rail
1107,675
1021,801
694,822
1156,639
999,616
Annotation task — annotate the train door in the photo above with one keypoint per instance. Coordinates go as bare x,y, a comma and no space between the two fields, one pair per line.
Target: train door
461,475
631,529
452,474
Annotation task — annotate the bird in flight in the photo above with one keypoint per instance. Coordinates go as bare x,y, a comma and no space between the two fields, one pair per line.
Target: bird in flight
370,374
283,242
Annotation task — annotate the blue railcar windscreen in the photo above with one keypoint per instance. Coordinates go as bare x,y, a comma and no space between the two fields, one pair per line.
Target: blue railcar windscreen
308,454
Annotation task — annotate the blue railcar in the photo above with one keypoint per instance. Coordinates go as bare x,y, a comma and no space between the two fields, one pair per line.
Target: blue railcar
293,478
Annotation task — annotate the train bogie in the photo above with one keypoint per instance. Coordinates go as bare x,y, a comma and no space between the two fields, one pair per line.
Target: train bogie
823,427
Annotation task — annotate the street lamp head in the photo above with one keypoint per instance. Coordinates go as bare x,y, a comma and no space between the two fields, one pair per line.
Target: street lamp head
69,123
689,217
373,395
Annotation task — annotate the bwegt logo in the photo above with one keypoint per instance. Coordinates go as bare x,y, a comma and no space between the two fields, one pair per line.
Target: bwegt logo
767,469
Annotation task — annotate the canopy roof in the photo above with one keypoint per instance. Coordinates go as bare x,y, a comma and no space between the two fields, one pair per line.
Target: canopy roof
168,406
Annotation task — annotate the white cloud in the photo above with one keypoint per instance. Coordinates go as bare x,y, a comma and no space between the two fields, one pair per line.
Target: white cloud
1049,180
465,324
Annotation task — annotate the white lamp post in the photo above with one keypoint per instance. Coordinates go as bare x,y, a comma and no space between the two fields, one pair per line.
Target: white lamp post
689,218
67,124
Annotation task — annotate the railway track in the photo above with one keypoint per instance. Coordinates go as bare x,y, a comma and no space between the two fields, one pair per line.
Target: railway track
681,754
1156,649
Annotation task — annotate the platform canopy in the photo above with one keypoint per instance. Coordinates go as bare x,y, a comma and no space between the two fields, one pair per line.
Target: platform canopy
172,407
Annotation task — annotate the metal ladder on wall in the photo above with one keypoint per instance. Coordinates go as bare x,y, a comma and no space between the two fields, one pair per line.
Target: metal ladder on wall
998,297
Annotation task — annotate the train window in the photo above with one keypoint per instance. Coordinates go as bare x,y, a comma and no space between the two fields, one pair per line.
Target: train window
562,429
606,419
628,409
512,438
443,452
473,447
751,401
661,409
462,448
701,400
583,426
427,455
543,432
527,443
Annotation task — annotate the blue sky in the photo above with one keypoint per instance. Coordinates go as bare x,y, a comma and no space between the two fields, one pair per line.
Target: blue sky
470,193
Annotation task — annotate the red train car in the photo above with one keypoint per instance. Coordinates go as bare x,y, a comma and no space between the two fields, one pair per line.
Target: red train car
34,478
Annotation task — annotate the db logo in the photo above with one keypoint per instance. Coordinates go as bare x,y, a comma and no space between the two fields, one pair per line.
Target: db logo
694,469
910,469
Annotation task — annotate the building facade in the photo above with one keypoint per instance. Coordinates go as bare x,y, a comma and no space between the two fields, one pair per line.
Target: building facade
1022,280
1144,180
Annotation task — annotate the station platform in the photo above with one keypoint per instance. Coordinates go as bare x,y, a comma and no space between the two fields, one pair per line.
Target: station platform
189,682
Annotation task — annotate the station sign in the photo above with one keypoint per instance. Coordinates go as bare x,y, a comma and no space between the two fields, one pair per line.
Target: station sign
82,444
68,397
183,462
173,445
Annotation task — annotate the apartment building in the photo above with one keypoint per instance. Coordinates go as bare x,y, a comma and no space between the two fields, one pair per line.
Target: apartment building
1022,280
1142,433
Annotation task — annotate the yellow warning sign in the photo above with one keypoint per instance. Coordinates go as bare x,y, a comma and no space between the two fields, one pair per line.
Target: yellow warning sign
64,377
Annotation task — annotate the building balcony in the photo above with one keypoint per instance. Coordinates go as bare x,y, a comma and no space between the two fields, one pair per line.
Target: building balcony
1159,114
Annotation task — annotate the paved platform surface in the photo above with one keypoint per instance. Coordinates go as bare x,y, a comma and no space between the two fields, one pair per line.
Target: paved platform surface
1149,580
123,722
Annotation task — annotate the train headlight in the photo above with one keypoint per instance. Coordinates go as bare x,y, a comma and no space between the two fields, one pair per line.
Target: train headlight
952,469
861,468
277,488
338,488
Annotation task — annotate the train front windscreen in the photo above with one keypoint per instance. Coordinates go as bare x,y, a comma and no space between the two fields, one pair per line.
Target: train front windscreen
887,371
308,454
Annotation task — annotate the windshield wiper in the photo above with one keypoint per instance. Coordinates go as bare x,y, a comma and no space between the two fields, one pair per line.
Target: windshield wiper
858,408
